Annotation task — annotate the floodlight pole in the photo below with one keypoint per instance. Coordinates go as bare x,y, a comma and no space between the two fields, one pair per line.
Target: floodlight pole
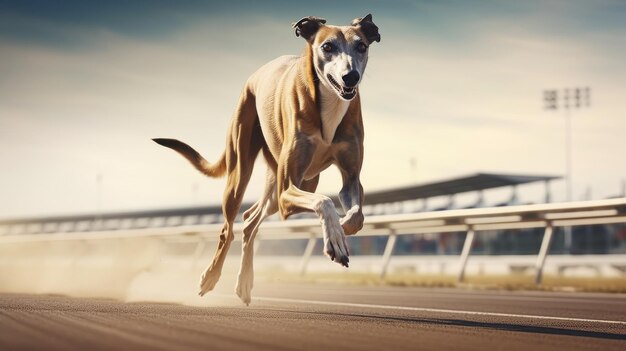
568,154
580,97
567,235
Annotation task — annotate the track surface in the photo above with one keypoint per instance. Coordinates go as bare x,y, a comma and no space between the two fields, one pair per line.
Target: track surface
324,317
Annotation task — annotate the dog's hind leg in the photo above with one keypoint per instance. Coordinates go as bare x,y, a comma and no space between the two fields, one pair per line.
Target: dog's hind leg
242,147
266,206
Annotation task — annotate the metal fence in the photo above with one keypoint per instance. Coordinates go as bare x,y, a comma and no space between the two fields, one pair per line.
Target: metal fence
471,221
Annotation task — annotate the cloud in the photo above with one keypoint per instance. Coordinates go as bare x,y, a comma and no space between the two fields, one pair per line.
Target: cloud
457,89
428,94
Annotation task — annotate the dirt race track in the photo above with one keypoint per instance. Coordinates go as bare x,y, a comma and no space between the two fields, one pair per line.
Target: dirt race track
321,317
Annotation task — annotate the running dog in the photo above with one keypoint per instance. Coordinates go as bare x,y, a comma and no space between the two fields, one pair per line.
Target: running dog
304,114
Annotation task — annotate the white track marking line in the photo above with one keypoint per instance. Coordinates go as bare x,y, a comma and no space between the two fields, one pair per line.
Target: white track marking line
436,310
479,296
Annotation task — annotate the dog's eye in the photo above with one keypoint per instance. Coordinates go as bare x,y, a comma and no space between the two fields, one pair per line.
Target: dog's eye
361,48
328,47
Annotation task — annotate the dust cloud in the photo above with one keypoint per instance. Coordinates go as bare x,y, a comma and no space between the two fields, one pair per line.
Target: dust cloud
130,269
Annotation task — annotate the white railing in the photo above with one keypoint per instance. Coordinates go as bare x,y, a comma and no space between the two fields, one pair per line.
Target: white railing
546,216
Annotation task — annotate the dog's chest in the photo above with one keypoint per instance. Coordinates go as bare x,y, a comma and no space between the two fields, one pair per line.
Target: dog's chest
332,110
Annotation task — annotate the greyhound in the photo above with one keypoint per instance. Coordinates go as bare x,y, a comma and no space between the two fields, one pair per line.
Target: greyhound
304,114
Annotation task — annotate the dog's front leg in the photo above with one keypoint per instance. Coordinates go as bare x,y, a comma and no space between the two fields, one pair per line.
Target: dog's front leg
349,160
292,199
351,198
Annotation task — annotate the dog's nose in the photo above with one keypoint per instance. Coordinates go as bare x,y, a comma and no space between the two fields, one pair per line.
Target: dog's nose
351,79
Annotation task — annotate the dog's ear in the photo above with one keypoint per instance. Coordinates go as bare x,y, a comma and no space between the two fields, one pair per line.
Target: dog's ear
308,26
368,28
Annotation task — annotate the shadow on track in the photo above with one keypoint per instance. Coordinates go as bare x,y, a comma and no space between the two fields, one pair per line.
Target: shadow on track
485,325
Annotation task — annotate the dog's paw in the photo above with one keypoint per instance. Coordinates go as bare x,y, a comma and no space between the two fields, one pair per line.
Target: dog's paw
244,288
352,222
208,280
335,245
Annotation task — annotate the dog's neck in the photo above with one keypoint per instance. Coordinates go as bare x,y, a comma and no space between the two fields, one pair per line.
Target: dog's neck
332,108
332,111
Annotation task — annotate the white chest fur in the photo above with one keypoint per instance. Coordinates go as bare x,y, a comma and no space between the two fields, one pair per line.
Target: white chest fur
332,111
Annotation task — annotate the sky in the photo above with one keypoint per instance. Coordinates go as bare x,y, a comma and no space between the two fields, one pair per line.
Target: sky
453,88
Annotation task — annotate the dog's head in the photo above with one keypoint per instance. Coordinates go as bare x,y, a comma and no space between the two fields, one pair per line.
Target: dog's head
339,52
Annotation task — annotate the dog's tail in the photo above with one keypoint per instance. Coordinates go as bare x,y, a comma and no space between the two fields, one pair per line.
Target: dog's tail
214,170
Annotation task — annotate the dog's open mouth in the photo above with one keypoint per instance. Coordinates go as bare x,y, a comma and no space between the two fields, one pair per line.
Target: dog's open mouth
345,92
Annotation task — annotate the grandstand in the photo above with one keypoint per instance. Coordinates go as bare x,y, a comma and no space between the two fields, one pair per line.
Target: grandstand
597,239
379,202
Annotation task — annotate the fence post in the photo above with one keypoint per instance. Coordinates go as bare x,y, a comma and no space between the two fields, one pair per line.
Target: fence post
467,247
391,243
308,251
543,253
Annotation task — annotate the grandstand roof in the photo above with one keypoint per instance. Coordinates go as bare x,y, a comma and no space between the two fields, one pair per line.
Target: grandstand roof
475,182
